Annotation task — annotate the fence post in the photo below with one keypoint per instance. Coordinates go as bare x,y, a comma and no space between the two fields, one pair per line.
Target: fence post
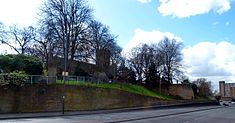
47,79
31,80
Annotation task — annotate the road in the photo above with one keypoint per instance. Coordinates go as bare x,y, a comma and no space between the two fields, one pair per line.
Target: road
205,114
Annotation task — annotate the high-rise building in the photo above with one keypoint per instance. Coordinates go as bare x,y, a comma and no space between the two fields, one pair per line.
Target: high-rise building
227,89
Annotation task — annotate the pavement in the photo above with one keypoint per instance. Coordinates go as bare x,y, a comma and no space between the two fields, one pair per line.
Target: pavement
74,113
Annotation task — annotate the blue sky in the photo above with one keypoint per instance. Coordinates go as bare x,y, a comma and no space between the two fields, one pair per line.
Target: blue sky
206,27
124,16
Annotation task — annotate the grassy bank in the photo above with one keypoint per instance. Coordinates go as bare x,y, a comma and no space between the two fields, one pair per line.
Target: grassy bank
124,87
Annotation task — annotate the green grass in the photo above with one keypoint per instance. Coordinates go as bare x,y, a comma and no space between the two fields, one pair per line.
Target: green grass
124,87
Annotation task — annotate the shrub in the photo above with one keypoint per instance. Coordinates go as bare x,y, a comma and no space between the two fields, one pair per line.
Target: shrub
3,82
31,65
5,61
14,79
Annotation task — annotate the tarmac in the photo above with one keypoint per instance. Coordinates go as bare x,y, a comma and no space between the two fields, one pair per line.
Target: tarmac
6,116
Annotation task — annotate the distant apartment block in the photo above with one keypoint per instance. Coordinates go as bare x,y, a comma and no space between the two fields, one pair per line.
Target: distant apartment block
227,89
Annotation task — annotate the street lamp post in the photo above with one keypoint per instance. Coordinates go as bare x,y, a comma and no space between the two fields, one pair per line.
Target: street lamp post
65,73
63,98
160,85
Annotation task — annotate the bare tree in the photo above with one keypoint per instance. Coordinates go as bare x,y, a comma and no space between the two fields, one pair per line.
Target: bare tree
44,46
103,49
146,61
135,62
97,39
204,87
68,21
102,42
170,53
157,61
19,39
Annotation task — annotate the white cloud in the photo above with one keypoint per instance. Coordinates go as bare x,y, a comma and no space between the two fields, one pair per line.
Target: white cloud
144,1
23,12
214,61
150,37
187,8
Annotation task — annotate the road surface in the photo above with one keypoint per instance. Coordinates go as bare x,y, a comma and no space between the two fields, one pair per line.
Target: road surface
207,114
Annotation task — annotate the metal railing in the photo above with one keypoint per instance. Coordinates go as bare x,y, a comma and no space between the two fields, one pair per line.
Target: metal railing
41,79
